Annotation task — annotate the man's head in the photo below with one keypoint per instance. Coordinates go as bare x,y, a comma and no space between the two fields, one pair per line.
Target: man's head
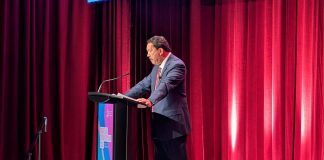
157,49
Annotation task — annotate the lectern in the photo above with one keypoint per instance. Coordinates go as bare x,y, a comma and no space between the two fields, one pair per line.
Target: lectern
112,124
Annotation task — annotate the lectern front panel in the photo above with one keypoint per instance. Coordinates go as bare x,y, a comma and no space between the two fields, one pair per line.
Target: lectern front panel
105,131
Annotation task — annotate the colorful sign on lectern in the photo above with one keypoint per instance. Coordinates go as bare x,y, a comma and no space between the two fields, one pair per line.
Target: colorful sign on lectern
105,131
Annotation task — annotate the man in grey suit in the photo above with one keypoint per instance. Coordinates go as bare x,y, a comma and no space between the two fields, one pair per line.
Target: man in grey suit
168,100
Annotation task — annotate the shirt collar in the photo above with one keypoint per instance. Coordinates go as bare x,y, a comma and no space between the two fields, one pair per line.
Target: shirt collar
164,61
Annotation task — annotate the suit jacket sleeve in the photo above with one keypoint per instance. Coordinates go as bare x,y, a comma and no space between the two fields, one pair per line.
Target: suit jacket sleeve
140,88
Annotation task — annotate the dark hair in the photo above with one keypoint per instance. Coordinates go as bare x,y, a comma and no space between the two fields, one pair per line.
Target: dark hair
159,42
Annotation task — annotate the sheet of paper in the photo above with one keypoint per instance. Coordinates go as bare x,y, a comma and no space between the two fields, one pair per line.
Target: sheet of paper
130,98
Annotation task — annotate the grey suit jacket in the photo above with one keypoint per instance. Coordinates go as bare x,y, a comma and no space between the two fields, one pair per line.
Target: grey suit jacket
170,117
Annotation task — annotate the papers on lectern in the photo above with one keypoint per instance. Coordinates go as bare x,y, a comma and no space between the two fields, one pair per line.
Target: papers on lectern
131,99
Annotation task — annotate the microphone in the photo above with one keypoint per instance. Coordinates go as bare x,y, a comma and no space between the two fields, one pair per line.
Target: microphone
45,124
112,79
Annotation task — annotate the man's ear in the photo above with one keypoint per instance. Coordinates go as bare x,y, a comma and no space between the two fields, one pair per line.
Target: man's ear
161,51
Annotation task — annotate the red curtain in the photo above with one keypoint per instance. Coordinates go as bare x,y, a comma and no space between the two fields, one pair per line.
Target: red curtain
255,74
52,54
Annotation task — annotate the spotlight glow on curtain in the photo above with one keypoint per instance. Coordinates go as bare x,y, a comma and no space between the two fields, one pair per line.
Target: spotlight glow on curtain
270,56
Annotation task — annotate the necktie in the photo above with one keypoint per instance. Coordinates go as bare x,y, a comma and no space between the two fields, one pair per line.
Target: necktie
157,79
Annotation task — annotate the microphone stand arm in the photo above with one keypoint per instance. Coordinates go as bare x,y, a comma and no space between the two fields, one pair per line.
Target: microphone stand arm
105,82
111,80
37,136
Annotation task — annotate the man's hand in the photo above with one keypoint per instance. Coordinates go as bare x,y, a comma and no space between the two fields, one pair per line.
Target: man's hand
145,101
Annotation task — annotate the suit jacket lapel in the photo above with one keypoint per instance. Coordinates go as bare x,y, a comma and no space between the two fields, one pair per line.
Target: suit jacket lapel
167,63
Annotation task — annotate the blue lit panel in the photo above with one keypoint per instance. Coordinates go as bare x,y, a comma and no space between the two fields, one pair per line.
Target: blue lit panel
95,1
